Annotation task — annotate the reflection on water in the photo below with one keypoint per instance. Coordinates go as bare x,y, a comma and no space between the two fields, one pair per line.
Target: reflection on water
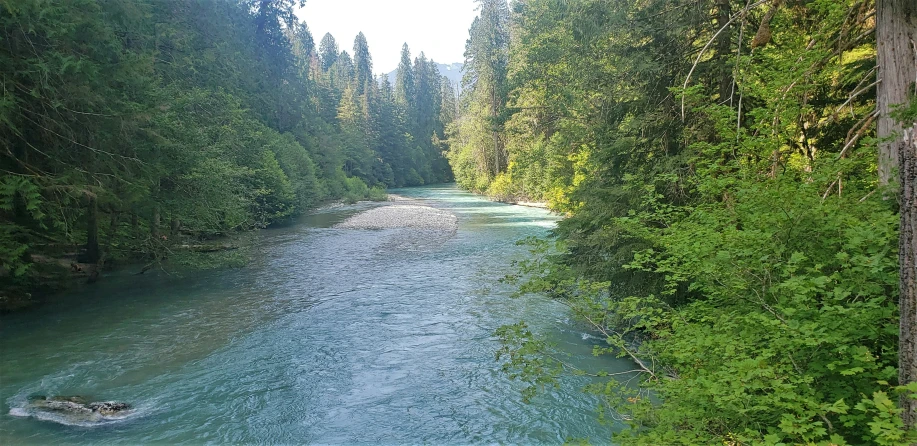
329,336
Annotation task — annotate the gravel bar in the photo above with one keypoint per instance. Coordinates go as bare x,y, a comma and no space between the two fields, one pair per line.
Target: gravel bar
402,216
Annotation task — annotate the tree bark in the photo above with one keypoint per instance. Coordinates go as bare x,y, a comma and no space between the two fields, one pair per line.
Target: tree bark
895,32
907,252
724,51
896,44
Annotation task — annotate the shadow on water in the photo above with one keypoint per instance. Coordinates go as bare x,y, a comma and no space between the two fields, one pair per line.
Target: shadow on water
329,336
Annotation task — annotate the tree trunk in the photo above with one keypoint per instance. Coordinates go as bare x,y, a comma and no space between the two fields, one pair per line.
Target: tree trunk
175,226
896,34
92,232
724,52
493,116
895,27
907,252
113,227
154,222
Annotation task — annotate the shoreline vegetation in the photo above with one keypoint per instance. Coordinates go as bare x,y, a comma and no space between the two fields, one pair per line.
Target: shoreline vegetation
65,272
739,196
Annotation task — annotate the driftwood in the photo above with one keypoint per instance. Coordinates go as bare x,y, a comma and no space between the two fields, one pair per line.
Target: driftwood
79,269
206,248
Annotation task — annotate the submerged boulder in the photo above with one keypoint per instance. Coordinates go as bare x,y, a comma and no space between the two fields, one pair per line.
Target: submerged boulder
109,407
78,408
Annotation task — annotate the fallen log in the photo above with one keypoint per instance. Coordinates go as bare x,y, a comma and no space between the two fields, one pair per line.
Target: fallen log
206,248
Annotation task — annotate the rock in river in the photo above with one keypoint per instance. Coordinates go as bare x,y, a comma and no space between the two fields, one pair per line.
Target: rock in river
75,409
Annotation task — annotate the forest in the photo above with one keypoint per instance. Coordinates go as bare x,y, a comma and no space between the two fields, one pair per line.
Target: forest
735,176
139,130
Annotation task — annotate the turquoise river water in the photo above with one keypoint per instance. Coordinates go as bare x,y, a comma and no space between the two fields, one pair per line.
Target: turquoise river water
329,336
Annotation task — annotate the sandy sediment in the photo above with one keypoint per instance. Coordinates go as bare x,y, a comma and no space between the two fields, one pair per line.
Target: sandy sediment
402,216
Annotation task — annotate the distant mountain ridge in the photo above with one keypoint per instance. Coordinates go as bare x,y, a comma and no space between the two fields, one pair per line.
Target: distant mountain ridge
452,71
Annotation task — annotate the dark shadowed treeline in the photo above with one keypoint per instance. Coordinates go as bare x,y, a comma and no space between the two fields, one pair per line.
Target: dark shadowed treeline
732,210
133,129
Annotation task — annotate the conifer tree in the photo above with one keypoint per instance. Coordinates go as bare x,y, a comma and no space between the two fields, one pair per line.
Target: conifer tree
344,70
486,59
328,51
363,63
404,81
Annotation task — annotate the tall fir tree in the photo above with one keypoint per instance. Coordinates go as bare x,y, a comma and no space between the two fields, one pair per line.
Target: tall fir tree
404,81
363,63
328,51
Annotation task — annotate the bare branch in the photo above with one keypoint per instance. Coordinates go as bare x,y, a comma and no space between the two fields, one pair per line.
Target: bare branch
851,140
707,46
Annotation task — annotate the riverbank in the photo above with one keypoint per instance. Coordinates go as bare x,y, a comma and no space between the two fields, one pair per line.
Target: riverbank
62,270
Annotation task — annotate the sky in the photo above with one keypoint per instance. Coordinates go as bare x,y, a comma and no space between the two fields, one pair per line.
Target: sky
439,28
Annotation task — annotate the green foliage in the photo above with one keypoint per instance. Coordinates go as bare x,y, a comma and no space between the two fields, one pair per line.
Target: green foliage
733,247
523,358
796,320
885,422
16,192
358,191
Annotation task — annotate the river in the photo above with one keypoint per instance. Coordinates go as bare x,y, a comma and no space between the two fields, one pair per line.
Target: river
329,336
